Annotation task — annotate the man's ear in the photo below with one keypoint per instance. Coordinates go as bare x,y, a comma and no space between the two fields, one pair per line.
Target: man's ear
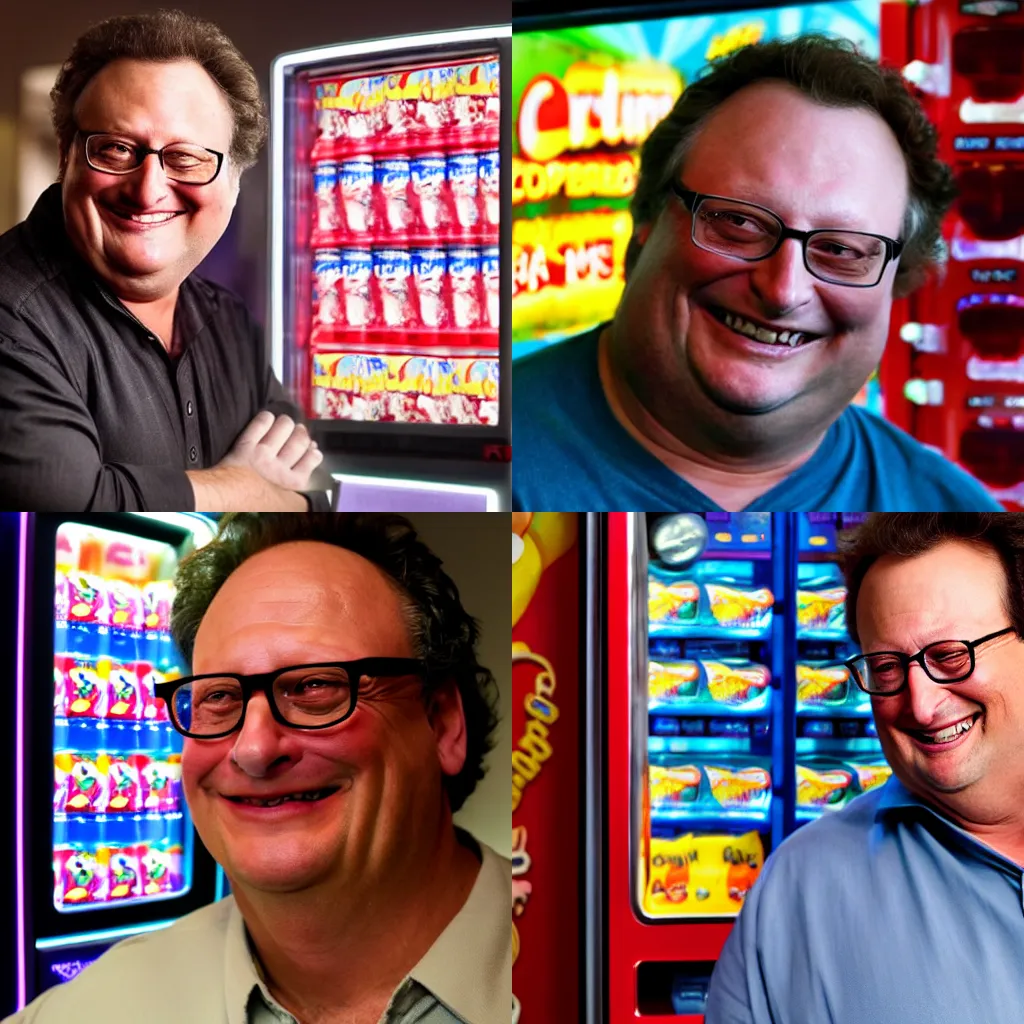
642,233
448,720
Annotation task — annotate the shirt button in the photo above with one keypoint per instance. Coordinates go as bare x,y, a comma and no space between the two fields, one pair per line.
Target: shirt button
193,454
188,408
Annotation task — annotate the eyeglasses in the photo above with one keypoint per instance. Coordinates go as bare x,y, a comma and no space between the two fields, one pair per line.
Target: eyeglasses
745,231
884,673
314,696
181,161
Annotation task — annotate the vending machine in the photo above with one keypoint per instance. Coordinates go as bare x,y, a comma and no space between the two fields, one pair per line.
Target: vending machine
387,310
731,722
681,706
965,382
103,846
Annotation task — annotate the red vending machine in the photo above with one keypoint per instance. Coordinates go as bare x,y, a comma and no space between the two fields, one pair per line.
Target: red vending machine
556,791
965,386
386,309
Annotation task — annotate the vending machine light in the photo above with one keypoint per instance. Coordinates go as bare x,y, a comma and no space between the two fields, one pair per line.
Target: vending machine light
996,455
993,323
992,61
992,199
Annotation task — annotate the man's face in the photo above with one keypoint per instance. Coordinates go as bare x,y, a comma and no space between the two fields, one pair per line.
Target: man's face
953,592
294,604
816,167
154,104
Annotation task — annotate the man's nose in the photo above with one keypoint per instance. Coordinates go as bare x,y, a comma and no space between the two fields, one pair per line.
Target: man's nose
257,746
782,282
924,695
147,184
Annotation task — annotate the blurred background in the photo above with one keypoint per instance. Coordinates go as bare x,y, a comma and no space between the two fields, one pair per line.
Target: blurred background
953,371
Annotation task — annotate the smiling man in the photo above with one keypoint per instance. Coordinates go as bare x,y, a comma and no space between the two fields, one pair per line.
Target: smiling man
905,907
127,382
791,194
336,718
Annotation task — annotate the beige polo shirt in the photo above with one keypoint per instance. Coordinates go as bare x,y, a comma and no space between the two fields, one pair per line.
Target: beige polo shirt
200,971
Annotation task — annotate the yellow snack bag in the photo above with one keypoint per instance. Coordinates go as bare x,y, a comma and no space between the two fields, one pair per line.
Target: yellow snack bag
668,877
722,872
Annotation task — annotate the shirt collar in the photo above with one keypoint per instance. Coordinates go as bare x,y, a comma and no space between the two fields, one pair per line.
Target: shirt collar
468,968
896,797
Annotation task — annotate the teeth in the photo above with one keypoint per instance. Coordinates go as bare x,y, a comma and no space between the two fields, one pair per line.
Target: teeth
317,795
945,735
148,218
762,334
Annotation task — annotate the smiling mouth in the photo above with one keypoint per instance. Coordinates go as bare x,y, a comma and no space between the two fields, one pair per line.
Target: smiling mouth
163,217
940,737
760,332
311,796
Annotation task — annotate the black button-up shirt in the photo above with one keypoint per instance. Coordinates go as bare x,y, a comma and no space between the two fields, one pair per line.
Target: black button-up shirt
94,413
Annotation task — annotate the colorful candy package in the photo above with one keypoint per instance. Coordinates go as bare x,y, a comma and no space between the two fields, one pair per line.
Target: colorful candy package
673,787
161,783
734,607
87,598
871,775
822,788
161,868
821,609
672,681
157,601
669,603
736,681
724,870
125,870
668,876
126,696
707,875
86,691
125,784
86,783
819,684
740,789
79,875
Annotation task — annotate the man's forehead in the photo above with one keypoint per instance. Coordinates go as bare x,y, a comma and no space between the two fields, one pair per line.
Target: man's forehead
313,566
771,144
951,583
313,589
169,98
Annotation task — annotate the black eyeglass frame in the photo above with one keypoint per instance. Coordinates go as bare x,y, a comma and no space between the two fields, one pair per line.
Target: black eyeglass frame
142,152
692,200
263,682
906,660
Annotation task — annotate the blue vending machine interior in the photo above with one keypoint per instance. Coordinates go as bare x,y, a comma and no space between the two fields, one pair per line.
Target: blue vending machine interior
104,847
751,724
715,728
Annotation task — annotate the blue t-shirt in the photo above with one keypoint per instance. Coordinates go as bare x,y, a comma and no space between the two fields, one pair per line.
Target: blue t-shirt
571,453
882,913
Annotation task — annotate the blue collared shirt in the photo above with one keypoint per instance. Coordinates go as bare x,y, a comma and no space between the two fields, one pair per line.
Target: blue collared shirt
883,913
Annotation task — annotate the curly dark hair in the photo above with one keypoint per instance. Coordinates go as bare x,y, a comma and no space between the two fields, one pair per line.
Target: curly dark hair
911,533
163,36
831,72
443,634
